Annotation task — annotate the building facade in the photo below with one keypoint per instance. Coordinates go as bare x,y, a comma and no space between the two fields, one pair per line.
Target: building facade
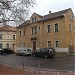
8,37
52,30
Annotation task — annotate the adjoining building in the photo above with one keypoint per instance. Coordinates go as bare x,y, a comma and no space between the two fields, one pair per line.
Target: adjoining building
8,37
52,30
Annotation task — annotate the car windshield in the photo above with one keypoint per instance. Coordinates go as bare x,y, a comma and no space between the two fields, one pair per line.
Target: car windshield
28,49
50,50
38,50
18,50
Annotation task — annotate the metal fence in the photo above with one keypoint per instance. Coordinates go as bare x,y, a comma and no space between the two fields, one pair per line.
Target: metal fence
38,69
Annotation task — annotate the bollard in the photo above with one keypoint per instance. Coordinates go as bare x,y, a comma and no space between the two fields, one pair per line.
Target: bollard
23,64
39,66
12,63
2,61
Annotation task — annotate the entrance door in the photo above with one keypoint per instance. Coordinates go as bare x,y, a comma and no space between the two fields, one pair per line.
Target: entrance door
34,45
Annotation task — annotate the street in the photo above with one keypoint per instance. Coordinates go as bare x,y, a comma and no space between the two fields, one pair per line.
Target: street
60,63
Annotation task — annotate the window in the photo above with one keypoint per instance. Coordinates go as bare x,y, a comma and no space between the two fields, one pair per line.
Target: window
0,36
74,29
56,28
57,44
39,27
24,44
48,28
20,33
0,45
72,17
34,19
70,42
49,44
20,44
14,37
23,32
70,27
34,30
7,45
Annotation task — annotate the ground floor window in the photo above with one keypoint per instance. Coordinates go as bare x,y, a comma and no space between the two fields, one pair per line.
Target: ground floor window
7,45
49,44
56,44
0,45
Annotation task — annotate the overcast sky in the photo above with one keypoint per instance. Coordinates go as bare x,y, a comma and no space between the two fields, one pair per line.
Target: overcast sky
44,6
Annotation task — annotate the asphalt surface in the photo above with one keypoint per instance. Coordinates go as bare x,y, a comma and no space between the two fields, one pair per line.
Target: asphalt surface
60,63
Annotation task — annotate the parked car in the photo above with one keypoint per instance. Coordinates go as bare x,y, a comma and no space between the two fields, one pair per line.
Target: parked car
23,51
0,50
6,51
44,52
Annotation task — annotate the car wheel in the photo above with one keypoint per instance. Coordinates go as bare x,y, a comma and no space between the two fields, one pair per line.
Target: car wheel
23,54
34,56
45,56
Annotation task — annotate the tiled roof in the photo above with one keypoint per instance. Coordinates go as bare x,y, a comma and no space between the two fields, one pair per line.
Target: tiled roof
8,28
55,14
48,16
24,24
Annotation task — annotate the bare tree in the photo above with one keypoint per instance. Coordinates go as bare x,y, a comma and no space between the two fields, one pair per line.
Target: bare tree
15,10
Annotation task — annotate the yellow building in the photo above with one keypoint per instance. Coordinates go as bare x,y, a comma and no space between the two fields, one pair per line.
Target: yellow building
8,37
52,30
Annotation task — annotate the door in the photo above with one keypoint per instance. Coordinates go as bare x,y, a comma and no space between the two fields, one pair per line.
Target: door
34,45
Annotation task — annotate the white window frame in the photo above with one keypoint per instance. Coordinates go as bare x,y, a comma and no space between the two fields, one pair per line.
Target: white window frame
54,27
47,27
35,30
70,42
70,25
55,43
47,43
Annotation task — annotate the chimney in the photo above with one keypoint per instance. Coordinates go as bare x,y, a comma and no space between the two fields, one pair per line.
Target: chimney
49,12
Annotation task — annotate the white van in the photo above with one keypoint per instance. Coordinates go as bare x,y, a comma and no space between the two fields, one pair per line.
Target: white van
23,51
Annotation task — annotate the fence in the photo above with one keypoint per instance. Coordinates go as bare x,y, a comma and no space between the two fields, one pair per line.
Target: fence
38,69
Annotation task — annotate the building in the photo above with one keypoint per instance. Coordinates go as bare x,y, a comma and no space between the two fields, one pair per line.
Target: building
52,30
8,37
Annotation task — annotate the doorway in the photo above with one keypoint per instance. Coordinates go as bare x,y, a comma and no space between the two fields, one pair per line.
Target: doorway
34,45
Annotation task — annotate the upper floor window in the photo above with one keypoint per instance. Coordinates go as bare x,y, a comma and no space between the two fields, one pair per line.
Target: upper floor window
20,33
23,32
74,29
72,17
14,37
49,44
56,44
48,28
56,27
34,19
39,27
70,27
34,30
0,36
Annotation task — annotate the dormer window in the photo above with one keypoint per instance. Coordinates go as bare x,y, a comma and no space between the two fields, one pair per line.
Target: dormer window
34,19
72,17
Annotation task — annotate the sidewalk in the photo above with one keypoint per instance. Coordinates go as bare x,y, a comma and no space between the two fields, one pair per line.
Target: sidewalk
4,70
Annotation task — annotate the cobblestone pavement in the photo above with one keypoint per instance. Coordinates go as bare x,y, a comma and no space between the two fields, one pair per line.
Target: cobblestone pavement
5,70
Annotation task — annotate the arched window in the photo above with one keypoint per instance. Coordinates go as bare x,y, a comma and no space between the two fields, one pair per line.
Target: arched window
7,45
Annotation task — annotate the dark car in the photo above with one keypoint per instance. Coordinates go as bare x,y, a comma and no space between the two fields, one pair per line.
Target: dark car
6,51
44,52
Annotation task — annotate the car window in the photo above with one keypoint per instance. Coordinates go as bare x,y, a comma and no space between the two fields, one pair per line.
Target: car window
43,50
28,49
24,50
38,50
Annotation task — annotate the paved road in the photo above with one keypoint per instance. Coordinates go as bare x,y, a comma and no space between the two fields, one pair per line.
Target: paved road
62,63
